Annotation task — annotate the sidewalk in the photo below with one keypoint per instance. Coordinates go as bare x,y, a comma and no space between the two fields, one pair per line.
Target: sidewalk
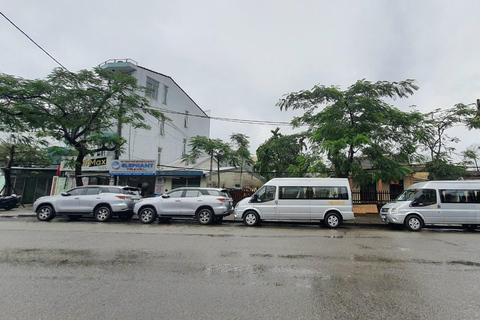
360,219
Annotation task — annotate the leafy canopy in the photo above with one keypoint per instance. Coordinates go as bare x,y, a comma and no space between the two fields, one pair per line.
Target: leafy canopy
358,131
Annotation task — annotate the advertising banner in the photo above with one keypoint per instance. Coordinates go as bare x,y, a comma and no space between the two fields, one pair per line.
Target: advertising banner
133,167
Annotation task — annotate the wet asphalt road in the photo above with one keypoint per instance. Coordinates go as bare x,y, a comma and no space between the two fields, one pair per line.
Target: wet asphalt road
116,270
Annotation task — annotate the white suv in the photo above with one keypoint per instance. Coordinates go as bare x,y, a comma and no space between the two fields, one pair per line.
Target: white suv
102,202
205,204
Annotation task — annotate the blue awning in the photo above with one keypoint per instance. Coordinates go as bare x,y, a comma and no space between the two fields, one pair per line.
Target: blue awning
179,173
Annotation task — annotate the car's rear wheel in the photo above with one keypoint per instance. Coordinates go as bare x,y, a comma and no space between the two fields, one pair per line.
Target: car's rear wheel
45,212
147,215
251,219
332,220
205,216
103,214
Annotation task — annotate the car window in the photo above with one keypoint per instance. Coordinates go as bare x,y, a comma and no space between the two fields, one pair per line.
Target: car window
77,192
92,191
192,193
175,194
134,192
111,190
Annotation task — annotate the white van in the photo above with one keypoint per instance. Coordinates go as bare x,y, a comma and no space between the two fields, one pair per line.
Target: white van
328,200
436,202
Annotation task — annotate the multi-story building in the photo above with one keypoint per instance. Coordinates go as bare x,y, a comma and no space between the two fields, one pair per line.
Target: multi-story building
166,140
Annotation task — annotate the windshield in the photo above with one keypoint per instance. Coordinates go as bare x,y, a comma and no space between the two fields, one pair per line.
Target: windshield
407,195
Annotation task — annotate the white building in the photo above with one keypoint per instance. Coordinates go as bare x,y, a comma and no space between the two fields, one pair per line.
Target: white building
167,140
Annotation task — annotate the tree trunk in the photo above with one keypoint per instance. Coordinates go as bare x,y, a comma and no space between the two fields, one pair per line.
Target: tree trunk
8,172
78,169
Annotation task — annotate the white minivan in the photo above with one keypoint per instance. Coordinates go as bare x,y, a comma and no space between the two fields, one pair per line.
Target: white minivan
435,202
328,200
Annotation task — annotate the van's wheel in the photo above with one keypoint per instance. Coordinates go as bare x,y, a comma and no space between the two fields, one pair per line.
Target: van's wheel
45,212
205,216
413,223
103,214
147,215
251,219
332,220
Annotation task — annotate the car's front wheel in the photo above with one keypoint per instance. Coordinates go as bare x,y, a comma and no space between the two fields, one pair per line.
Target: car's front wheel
414,223
205,216
147,215
45,212
251,219
103,214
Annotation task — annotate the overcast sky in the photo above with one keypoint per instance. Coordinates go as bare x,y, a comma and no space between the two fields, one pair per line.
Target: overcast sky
236,59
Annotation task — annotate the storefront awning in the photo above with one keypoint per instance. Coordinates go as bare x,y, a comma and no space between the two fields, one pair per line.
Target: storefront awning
179,173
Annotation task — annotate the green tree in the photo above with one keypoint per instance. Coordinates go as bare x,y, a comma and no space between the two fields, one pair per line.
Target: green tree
444,170
278,156
471,156
433,138
22,151
216,149
355,127
242,156
83,110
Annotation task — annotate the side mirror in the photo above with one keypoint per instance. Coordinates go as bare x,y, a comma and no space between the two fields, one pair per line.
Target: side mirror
65,194
165,196
255,198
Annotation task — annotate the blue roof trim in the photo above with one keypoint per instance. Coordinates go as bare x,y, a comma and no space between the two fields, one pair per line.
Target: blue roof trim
180,173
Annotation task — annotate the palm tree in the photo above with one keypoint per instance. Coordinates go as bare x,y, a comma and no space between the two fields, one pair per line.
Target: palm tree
215,148
242,154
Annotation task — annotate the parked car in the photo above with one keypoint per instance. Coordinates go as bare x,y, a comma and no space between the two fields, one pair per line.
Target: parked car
101,202
436,203
205,204
328,200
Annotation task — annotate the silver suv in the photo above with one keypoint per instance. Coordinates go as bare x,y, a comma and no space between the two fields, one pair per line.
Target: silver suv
205,204
102,202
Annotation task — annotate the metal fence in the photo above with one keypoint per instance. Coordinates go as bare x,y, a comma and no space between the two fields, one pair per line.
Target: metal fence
359,197
374,196
238,195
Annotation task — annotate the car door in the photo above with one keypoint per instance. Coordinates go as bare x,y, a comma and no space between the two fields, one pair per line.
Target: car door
90,199
293,203
264,200
426,203
69,202
171,204
190,201
458,206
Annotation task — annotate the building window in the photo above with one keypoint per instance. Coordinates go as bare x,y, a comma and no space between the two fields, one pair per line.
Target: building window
152,87
185,121
159,156
161,126
165,92
184,146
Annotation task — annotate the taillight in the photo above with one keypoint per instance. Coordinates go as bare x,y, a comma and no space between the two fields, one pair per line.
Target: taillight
123,197
223,199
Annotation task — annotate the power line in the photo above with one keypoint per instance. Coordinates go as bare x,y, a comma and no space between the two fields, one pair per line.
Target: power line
247,121
26,35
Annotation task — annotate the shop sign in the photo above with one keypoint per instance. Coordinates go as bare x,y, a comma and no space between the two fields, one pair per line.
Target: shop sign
133,168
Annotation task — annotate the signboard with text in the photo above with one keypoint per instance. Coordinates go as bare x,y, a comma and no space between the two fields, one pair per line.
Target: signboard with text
133,167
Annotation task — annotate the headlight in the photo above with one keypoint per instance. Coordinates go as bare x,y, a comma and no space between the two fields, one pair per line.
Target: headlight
393,210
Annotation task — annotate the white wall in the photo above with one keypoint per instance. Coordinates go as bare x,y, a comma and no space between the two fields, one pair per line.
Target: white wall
143,144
